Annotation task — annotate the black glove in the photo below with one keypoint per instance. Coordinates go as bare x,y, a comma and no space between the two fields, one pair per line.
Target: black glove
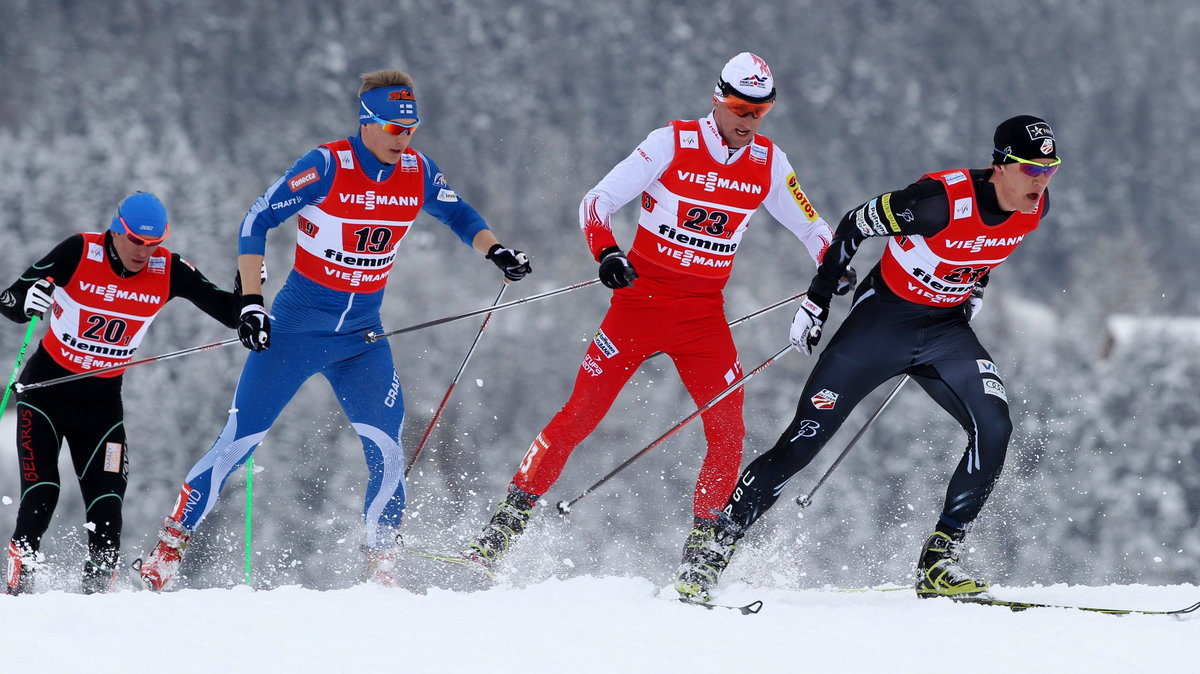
514,263
974,303
254,326
806,326
39,297
615,270
847,282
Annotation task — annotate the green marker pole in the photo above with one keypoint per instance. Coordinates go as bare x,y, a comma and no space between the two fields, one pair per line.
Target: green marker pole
249,515
17,365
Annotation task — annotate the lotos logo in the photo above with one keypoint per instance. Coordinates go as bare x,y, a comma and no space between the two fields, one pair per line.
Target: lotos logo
801,198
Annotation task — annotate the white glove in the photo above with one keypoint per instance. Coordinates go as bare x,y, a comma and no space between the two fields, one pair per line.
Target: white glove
806,326
974,303
39,297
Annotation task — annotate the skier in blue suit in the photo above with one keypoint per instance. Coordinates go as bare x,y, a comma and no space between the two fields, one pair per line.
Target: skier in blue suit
355,200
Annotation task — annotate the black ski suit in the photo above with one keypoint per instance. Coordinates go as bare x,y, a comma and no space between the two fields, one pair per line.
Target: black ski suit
886,335
87,413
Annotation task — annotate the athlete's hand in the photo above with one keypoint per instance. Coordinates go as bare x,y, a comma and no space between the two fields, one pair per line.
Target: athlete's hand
254,326
615,270
806,326
39,297
514,263
974,303
847,282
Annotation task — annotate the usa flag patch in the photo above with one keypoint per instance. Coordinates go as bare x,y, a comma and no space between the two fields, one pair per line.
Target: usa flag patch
825,400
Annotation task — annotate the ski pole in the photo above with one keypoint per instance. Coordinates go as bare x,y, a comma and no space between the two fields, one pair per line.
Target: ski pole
445,398
17,365
564,507
738,321
806,500
373,336
126,366
249,516
769,307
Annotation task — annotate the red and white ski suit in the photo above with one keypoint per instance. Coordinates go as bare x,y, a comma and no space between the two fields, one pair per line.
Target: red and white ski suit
697,196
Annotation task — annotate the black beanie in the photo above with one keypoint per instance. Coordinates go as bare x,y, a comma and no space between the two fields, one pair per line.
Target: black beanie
1023,136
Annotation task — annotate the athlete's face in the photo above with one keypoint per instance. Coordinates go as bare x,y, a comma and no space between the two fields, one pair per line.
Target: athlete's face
386,147
133,256
1017,191
737,130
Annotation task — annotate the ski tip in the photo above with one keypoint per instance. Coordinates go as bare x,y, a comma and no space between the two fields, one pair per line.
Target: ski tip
1189,609
564,507
751,608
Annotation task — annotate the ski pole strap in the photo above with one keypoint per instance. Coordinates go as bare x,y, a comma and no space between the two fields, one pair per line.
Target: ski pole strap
446,398
373,336
152,359
806,500
17,365
565,506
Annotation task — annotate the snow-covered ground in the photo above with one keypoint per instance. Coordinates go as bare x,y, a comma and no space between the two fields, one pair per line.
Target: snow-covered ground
591,624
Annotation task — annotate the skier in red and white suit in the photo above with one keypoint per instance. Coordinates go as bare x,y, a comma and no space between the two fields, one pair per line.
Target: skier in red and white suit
698,182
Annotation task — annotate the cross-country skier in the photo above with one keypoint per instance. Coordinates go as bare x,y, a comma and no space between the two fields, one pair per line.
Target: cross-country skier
101,291
355,199
697,183
911,316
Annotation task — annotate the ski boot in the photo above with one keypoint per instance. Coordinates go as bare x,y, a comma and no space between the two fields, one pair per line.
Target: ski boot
21,564
100,572
163,564
505,527
939,573
706,553
381,565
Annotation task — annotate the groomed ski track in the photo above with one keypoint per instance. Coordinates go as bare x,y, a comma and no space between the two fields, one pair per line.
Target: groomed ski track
593,624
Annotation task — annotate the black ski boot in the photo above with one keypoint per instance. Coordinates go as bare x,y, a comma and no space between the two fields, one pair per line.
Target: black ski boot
100,573
939,573
505,527
706,553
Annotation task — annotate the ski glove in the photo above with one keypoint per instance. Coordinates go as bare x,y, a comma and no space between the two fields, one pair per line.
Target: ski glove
39,297
806,326
254,326
974,303
847,282
615,270
514,263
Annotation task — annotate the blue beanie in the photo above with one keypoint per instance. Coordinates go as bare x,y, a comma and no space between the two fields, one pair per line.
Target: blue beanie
142,215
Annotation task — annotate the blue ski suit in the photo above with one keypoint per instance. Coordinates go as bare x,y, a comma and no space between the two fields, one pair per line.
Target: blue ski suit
321,314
